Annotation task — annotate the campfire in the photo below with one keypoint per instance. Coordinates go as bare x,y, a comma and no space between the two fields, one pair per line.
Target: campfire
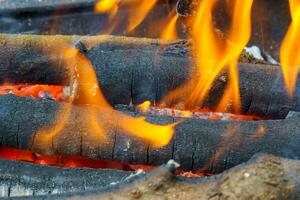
156,99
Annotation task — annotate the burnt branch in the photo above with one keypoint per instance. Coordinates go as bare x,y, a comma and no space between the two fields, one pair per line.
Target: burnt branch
197,144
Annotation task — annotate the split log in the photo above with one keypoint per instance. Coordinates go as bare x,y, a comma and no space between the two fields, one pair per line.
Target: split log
24,179
212,146
131,69
263,177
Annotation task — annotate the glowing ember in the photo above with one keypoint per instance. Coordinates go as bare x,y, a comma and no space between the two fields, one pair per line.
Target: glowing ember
56,93
36,91
79,162
200,114
290,49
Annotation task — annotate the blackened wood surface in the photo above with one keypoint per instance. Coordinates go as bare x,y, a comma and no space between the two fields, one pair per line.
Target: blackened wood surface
131,69
210,145
24,179
263,177
17,6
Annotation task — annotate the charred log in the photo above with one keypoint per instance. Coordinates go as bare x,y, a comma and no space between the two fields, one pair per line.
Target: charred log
264,176
19,6
197,144
23,179
131,69
35,5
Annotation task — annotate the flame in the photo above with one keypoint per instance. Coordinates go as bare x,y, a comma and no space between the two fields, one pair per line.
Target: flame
215,54
107,6
290,49
144,106
169,33
133,19
85,91
142,8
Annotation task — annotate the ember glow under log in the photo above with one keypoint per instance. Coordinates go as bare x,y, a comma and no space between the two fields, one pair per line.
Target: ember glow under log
256,179
24,179
138,70
211,146
264,176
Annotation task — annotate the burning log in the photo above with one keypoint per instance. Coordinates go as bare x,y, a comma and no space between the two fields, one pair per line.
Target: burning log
211,146
137,70
23,179
17,6
264,176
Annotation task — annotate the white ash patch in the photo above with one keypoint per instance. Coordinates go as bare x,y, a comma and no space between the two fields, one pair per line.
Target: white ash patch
256,53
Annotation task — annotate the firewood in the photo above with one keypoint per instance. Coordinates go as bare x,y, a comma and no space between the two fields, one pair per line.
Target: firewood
263,177
24,179
197,144
136,70
18,6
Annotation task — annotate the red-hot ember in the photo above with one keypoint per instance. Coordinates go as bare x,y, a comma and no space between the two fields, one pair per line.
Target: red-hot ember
79,162
37,91
197,113
57,93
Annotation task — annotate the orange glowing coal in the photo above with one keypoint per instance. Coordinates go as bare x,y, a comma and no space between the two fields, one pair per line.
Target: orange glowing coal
37,91
290,49
80,162
195,113
215,54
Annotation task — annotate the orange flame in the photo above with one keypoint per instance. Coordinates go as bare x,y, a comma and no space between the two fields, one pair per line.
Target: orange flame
107,6
144,106
85,91
169,33
290,49
142,8
215,54
134,19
